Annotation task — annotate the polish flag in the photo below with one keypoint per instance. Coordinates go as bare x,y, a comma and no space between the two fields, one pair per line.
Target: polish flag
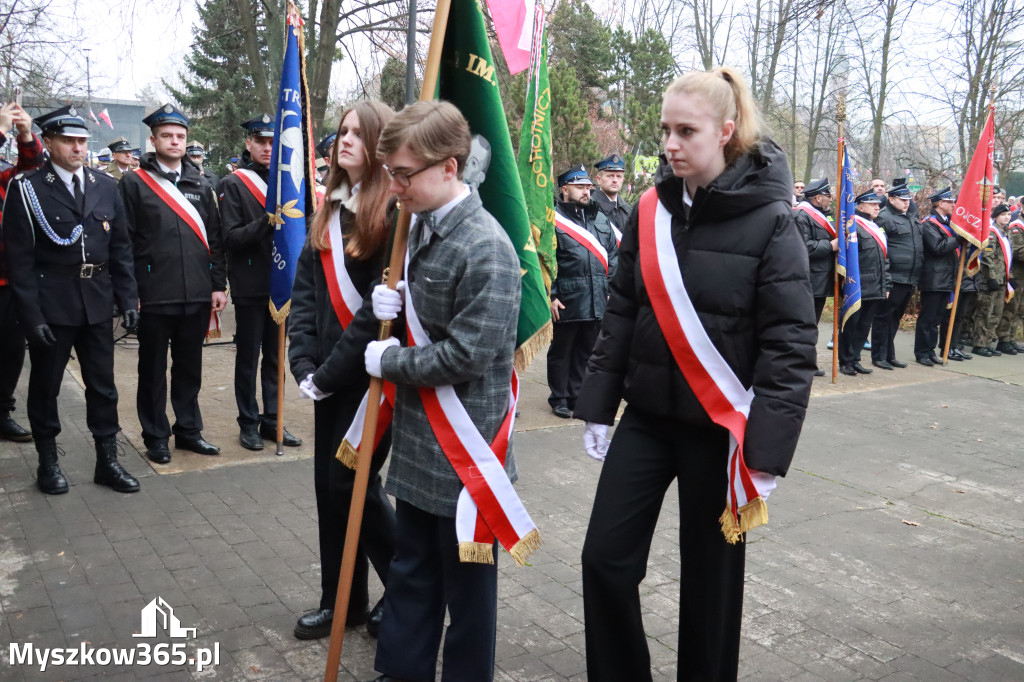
106,118
93,116
513,22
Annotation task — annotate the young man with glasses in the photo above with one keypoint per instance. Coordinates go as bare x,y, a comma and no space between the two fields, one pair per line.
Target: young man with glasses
822,243
463,286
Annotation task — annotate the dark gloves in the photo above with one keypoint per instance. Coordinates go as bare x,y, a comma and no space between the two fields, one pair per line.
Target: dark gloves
41,336
994,285
130,320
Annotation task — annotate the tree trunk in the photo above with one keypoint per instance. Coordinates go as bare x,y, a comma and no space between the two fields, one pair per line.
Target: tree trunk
255,61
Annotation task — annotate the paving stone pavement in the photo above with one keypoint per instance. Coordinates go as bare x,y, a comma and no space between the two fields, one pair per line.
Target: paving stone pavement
894,551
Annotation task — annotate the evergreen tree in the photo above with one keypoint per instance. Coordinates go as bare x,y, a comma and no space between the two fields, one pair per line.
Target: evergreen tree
581,40
572,139
647,67
217,90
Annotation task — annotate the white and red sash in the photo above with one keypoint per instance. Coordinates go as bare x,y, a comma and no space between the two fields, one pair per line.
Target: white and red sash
1007,249
618,234
818,217
172,196
213,326
255,184
319,194
876,232
714,383
488,507
584,237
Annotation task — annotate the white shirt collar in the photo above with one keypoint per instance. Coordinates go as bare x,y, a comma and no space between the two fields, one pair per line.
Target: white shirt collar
65,176
440,213
167,169
687,200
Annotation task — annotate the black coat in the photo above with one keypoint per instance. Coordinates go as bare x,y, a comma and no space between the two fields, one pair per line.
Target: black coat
318,344
248,238
617,212
745,265
172,265
874,266
938,269
43,274
819,252
906,249
581,284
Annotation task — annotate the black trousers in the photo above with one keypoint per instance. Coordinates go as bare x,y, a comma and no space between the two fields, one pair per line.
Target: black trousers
94,347
933,309
426,579
887,323
855,333
964,311
571,345
819,305
12,349
333,482
255,330
645,456
184,335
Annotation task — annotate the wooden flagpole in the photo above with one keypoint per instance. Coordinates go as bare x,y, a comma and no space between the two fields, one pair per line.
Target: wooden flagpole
956,300
280,385
366,444
840,117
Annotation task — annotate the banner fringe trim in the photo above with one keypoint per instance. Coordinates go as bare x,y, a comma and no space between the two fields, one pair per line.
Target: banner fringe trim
528,350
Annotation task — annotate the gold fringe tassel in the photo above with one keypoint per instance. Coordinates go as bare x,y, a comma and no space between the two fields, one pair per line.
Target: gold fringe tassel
752,515
476,553
213,334
526,546
347,454
281,315
529,348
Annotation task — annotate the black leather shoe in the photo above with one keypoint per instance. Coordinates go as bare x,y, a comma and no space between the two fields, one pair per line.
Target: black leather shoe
249,437
12,430
882,364
1007,347
954,355
964,355
936,360
984,351
861,369
374,618
197,445
1019,347
848,370
819,372
562,411
315,624
50,478
898,364
109,471
926,361
995,353
269,432
158,452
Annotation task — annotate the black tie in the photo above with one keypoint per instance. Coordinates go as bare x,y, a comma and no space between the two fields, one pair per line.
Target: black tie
79,195
173,177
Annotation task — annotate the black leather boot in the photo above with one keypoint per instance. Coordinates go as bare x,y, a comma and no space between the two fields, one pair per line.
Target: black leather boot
109,471
50,478
249,437
12,430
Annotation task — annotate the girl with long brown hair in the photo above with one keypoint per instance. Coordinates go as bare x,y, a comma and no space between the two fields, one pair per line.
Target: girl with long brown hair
342,258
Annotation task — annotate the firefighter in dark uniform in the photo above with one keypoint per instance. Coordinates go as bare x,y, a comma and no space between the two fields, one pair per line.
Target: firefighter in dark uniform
938,279
611,172
179,265
874,284
197,155
811,218
121,151
249,243
906,256
70,260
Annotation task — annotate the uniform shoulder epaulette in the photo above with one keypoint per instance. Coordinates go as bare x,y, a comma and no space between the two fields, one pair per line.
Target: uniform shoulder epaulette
97,174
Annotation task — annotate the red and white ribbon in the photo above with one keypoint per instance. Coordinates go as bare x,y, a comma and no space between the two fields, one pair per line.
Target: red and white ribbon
488,507
716,386
1007,249
172,196
876,232
213,328
818,217
584,237
256,185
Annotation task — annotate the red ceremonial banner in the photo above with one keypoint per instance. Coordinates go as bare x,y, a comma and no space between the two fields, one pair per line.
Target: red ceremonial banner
970,217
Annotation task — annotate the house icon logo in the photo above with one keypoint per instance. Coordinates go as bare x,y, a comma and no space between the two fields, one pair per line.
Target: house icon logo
159,613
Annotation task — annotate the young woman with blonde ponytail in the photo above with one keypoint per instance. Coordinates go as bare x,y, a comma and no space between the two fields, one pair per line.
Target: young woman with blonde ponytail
709,337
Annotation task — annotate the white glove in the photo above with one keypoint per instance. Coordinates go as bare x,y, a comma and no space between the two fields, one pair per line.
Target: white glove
309,389
595,440
387,303
374,352
765,483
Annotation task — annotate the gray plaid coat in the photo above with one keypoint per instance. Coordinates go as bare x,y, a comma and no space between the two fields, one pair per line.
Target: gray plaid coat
465,285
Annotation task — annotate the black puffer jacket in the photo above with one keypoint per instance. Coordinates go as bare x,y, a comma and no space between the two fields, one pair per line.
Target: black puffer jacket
906,250
581,284
938,270
819,252
873,263
745,264
248,237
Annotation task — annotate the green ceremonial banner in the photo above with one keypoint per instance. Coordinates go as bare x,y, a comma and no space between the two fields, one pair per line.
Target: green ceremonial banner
535,162
467,80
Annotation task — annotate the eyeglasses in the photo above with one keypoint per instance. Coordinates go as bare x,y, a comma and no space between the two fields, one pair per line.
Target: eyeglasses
405,179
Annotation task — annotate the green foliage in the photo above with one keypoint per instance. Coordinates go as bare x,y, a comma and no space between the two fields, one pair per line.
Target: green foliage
644,68
217,91
392,84
572,137
581,40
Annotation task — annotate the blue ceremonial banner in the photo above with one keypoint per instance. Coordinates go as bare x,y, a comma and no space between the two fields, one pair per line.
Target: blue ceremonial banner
289,198
847,258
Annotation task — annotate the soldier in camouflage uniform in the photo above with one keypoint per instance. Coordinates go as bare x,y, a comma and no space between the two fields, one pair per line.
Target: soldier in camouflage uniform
1010,322
991,286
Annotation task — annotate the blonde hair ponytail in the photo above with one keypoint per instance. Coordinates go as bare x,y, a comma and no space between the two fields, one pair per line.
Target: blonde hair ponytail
729,96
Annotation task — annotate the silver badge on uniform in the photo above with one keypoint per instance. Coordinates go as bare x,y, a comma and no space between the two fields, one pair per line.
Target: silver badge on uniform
106,226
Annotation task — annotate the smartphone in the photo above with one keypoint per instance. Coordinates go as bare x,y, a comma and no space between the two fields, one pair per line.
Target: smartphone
17,95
